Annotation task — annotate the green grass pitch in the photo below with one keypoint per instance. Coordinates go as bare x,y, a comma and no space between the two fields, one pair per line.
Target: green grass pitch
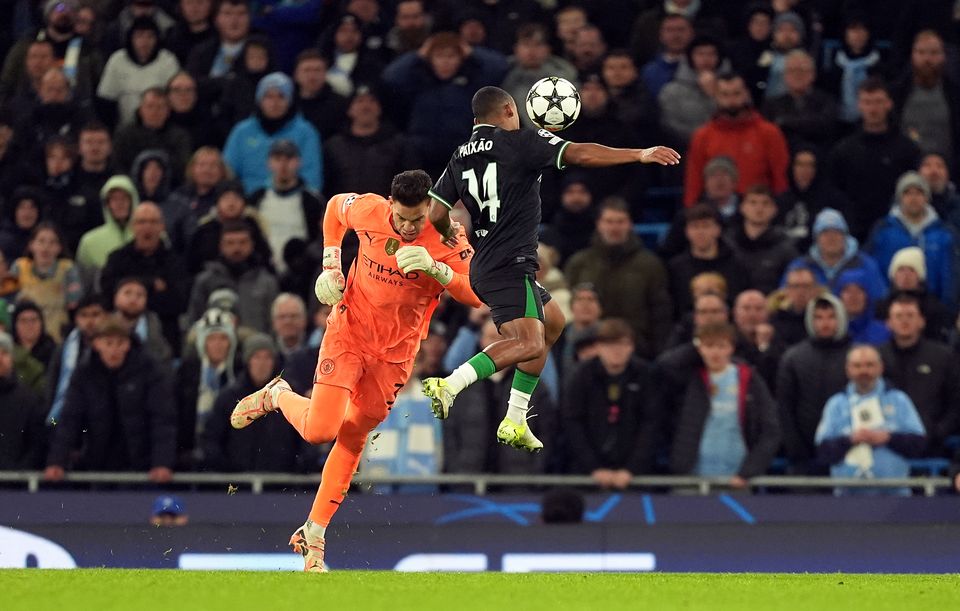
171,590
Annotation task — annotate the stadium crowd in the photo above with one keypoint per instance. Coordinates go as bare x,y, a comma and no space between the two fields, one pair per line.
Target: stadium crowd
165,166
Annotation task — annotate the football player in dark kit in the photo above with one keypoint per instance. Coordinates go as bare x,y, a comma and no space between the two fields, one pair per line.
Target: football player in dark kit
496,174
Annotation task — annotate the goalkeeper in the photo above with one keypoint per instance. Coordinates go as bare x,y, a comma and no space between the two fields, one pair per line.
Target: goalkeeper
381,311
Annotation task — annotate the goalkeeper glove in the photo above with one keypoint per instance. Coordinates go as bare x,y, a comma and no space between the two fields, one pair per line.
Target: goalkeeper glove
416,258
330,284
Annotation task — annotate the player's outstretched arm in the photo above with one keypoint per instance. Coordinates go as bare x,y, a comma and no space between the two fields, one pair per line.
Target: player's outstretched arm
440,219
331,281
591,155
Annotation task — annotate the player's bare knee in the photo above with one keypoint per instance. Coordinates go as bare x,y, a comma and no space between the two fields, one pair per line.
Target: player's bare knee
531,348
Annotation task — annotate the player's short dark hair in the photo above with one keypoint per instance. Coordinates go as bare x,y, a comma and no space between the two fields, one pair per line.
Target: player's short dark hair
488,101
702,212
615,203
716,331
873,84
410,188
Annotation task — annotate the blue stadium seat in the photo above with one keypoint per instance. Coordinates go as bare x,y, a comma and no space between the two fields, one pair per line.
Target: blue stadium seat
933,467
651,233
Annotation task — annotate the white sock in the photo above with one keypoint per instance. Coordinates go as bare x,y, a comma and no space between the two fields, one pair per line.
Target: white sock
517,406
314,530
275,391
462,376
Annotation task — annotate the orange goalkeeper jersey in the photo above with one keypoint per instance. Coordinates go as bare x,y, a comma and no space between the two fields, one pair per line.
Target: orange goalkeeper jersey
385,312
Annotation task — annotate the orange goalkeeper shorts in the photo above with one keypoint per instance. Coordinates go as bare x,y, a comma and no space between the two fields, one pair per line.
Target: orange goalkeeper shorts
373,384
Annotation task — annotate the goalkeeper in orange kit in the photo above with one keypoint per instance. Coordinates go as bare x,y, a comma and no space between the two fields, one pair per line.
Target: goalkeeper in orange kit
381,311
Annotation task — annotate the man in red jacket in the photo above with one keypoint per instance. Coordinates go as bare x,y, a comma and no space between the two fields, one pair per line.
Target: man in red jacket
739,132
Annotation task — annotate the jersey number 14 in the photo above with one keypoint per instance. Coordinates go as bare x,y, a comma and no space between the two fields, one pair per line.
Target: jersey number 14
491,199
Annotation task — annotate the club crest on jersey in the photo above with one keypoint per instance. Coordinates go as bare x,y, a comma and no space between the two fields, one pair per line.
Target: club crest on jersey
392,246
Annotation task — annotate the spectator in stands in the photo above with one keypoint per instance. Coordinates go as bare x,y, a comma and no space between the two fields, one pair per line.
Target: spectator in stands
676,33
411,26
9,160
789,305
21,216
142,65
727,424
38,59
787,35
56,113
324,108
290,27
193,200
275,446
852,286
746,51
21,417
86,316
802,112
230,206
926,370
153,129
611,410
117,34
27,326
810,373
757,240
913,222
856,60
95,146
151,175
707,253
757,340
189,114
550,277
757,146
431,91
212,60
585,310
288,314
130,303
869,430
351,63
568,21
149,258
239,268
119,198
809,193
587,49
238,100
908,273
689,100
575,219
926,101
630,280
865,165
532,60
63,204
78,58
465,446
366,156
631,102
117,415
835,251
192,29
276,118
47,278
709,306
720,178
200,378
643,36
287,208
943,193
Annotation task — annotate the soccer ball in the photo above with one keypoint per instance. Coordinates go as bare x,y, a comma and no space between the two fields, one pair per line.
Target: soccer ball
553,103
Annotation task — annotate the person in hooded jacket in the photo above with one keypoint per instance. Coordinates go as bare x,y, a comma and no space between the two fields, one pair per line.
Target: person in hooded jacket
192,115
808,194
914,222
809,374
119,197
151,175
863,325
28,332
238,100
130,71
56,113
21,213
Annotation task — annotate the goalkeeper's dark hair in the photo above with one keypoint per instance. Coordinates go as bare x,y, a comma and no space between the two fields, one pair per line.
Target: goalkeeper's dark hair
410,188
488,101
